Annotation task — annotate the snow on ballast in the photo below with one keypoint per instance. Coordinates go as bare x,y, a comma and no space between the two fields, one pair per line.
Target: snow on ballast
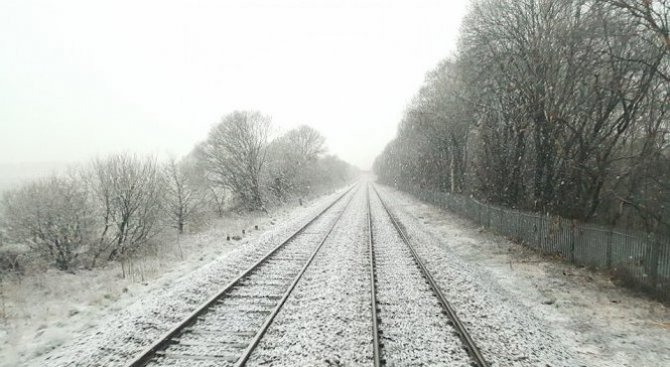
225,329
417,325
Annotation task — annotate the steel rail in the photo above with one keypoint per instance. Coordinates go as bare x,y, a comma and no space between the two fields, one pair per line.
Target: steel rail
373,286
464,335
165,340
259,335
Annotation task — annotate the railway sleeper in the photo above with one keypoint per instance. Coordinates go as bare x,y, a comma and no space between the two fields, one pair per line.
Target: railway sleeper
198,357
209,343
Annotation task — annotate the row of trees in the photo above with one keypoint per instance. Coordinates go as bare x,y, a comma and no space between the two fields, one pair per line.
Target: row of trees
557,106
112,208
239,157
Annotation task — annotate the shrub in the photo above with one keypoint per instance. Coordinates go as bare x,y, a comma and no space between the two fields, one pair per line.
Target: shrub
53,217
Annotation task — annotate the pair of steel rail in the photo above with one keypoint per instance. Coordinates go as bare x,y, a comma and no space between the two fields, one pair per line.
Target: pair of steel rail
468,343
154,352
172,337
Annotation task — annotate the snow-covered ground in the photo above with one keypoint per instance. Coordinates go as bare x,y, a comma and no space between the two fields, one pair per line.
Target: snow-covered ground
522,309
581,314
413,329
326,320
98,318
229,326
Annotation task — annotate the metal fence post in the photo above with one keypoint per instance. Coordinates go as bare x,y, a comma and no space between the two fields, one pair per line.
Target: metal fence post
608,260
480,213
573,239
654,262
489,216
649,254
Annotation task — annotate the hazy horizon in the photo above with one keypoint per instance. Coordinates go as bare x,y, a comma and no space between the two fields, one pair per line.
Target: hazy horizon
83,79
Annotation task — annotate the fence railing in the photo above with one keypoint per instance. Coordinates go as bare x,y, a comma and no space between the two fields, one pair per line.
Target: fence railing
640,260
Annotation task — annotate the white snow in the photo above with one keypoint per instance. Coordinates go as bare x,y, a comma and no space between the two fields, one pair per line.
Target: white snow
97,318
414,330
580,311
523,309
230,325
327,319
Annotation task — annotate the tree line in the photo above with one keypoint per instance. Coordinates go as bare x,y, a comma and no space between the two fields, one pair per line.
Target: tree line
112,208
555,106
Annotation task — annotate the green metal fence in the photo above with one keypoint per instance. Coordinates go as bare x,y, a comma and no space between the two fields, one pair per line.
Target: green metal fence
641,260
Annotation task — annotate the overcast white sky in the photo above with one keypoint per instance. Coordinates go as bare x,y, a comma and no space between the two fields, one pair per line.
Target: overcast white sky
85,78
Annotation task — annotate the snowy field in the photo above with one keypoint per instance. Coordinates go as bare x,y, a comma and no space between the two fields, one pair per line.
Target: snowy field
597,322
61,319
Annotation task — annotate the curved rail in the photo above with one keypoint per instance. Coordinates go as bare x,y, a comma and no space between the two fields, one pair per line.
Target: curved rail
168,338
450,312
373,287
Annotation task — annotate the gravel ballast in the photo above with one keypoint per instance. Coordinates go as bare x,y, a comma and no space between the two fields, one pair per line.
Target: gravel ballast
505,331
122,335
221,334
327,319
414,332
599,322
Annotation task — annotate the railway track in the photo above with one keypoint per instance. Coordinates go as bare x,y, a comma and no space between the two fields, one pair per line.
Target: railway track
227,327
376,358
412,321
390,315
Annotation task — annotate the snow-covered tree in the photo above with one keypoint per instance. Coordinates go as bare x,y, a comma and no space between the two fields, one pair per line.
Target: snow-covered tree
184,198
53,216
557,106
234,155
292,161
129,193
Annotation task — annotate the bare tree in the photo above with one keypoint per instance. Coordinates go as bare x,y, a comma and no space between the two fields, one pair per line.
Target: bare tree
214,196
307,143
653,15
53,216
552,105
128,191
292,161
184,198
234,155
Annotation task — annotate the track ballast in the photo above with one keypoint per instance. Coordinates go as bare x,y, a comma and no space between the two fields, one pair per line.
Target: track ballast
412,323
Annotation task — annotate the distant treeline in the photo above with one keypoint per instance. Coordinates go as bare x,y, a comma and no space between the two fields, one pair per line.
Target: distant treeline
111,208
556,106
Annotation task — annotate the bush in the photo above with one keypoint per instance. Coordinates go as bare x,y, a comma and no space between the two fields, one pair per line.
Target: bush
53,217
128,192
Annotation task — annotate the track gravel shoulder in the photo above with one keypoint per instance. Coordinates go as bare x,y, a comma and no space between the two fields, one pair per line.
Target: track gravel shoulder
543,311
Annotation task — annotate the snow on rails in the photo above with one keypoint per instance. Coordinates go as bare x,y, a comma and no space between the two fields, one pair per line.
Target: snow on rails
410,322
